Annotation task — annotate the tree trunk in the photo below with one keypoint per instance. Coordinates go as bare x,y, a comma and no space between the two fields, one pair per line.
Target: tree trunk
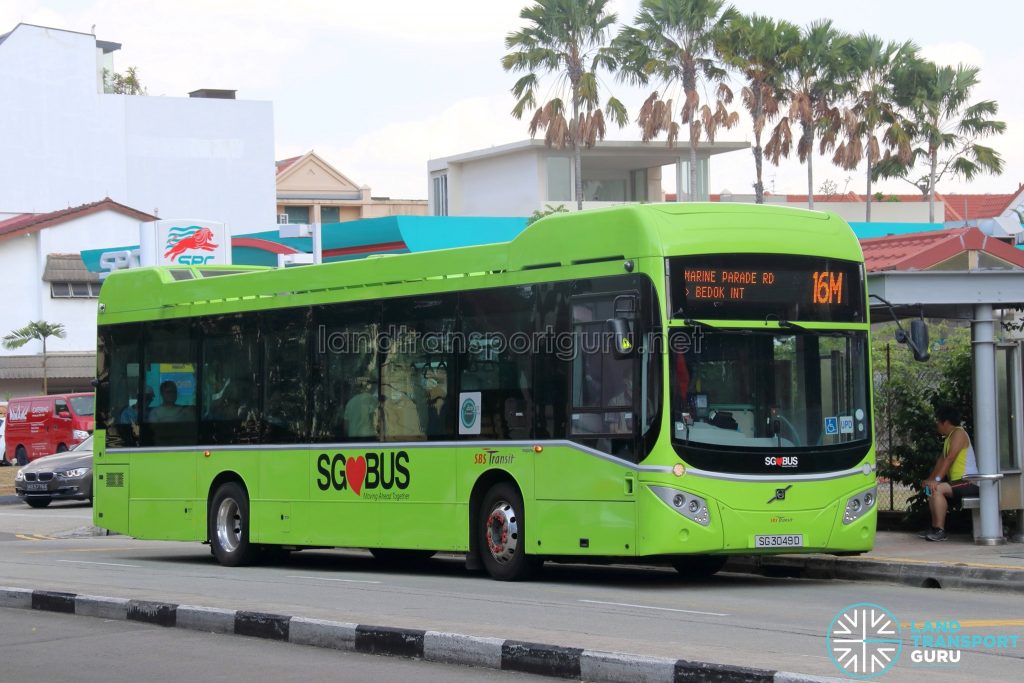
933,161
45,383
758,186
810,177
693,172
867,210
577,152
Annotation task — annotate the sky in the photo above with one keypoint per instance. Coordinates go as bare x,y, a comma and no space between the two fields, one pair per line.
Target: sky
378,88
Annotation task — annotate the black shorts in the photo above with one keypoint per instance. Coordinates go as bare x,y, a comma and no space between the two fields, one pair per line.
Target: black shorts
962,489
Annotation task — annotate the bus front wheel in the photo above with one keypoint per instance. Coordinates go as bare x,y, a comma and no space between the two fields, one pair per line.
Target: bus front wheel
500,525
228,526
698,566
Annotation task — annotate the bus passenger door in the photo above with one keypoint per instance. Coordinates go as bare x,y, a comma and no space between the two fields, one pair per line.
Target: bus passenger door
585,487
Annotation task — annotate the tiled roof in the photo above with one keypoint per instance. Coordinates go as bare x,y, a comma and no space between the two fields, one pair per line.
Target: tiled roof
67,268
33,222
75,365
959,207
283,165
924,250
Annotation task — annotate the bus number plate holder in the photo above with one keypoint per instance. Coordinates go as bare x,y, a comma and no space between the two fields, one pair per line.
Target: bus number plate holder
779,541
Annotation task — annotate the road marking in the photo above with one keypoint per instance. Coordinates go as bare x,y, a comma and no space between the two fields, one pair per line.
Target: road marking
323,578
34,537
663,609
106,564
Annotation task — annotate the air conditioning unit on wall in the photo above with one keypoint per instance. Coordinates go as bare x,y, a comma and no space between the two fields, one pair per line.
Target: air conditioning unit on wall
282,219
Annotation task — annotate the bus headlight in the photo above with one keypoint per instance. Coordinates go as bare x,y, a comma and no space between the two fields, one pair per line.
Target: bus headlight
685,503
859,505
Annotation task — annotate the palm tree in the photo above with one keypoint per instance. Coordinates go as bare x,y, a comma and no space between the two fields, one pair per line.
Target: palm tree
875,109
945,125
760,49
568,38
819,79
674,42
39,330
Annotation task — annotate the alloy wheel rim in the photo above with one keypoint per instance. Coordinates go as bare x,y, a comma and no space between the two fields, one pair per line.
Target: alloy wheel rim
502,532
229,525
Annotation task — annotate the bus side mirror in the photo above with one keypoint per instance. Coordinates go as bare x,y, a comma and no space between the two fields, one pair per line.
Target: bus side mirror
917,340
622,338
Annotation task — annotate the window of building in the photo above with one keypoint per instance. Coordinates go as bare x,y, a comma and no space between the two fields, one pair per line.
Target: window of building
330,214
74,290
559,178
298,214
440,194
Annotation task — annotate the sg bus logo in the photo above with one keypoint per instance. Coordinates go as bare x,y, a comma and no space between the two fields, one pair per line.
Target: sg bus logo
370,472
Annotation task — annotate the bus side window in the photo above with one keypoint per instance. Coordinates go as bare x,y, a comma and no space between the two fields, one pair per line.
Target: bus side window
117,386
604,404
416,401
497,330
346,384
168,357
286,375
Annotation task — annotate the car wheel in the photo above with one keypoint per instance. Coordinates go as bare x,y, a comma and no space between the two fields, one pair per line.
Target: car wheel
62,448
228,526
698,566
21,456
501,525
38,502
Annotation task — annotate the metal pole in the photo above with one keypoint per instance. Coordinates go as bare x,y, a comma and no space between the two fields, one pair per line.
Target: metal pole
318,243
985,426
888,421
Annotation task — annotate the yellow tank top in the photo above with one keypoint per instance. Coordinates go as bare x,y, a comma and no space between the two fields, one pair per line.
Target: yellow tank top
964,463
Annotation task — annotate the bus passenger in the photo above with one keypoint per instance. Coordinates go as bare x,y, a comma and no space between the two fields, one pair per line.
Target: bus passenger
360,416
169,410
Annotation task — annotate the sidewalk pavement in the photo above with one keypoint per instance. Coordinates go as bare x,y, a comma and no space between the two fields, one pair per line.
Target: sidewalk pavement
903,558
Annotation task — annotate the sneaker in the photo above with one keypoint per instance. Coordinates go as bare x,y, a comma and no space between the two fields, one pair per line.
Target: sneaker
924,534
937,535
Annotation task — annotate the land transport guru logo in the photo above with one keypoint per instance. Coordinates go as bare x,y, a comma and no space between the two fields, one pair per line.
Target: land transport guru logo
865,640
181,240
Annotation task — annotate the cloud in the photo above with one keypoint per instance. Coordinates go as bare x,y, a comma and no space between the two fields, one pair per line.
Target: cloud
951,54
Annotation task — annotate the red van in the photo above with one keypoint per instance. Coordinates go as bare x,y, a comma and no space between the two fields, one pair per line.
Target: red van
42,425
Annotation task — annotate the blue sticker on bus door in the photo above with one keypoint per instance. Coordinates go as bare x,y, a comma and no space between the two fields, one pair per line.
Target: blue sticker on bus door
831,426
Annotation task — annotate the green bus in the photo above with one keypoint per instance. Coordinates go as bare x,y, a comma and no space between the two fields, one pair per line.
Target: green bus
672,382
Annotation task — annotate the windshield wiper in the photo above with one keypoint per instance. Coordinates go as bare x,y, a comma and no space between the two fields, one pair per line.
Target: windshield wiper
785,324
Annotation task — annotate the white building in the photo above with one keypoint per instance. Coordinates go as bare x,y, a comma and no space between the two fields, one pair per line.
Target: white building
65,142
520,178
45,279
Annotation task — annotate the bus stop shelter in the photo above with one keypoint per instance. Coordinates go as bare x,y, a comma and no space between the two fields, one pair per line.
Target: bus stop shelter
922,277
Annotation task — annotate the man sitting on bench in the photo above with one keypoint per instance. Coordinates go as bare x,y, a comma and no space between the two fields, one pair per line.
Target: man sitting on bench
946,482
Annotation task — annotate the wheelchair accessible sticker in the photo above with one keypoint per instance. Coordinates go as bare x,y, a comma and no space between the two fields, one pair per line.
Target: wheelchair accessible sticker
831,426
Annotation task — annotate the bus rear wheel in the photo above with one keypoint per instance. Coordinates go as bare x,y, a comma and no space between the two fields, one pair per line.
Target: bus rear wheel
698,566
228,526
20,455
501,529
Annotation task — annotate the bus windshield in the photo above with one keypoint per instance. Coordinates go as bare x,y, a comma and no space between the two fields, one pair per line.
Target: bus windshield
769,390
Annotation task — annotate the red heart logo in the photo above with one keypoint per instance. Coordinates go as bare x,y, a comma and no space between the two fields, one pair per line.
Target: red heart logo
355,472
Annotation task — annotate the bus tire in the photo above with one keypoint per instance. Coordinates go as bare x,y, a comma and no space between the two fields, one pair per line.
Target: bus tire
698,566
62,448
392,556
501,529
228,526
20,456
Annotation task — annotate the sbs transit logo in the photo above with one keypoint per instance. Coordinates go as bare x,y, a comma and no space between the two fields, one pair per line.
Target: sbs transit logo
190,239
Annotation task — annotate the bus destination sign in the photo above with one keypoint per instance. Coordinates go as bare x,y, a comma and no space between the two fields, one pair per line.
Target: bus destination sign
760,286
